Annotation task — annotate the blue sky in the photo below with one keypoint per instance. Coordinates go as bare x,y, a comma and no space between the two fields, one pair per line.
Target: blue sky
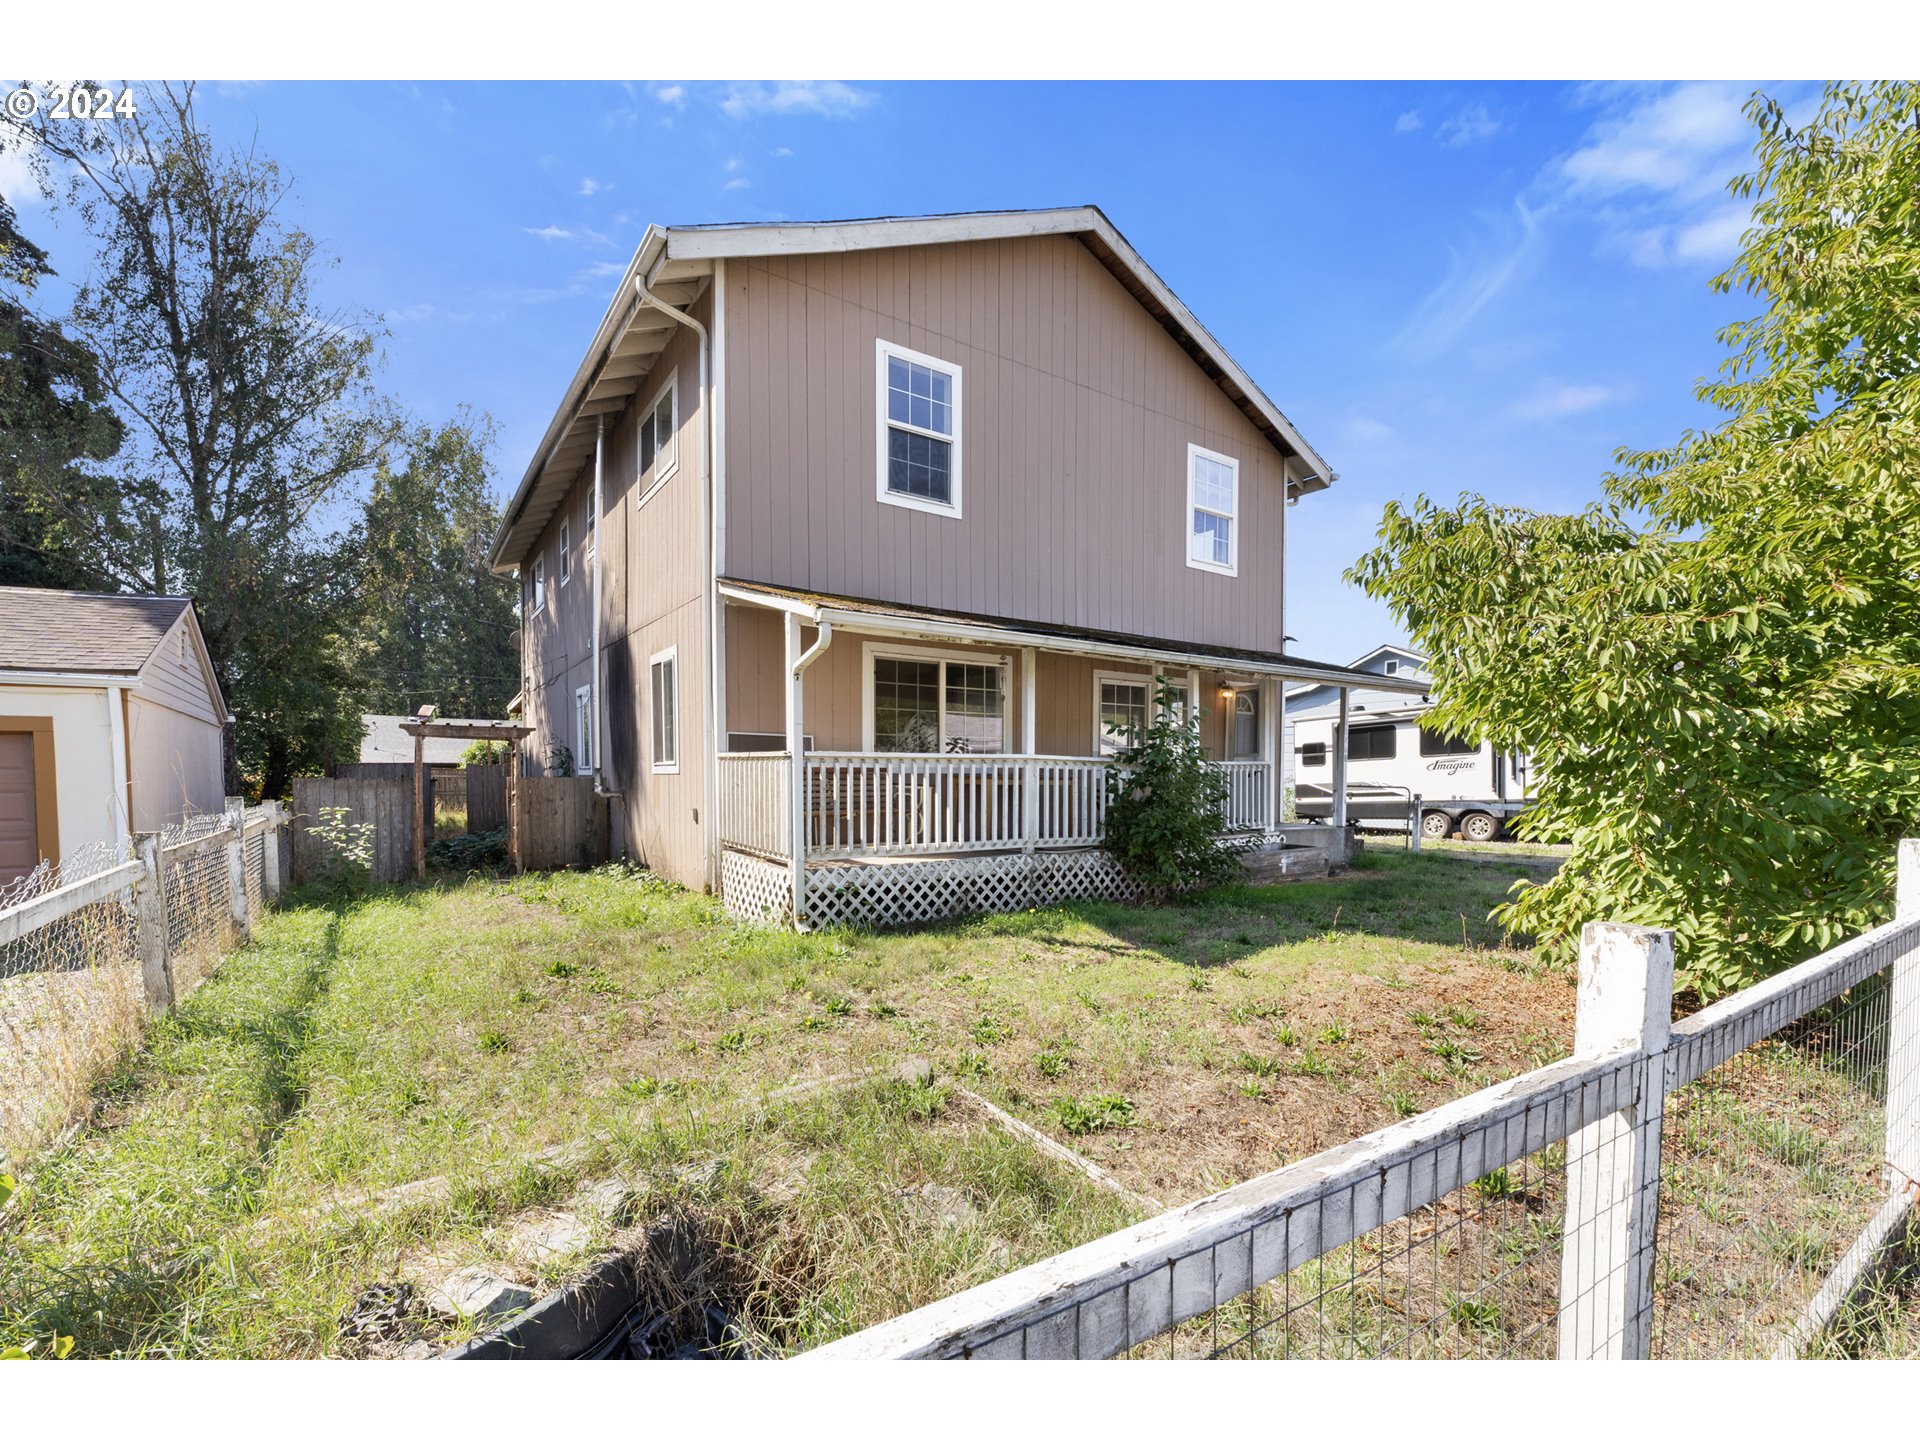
1445,286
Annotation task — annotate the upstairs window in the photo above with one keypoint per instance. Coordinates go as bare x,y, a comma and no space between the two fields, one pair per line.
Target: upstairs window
592,528
537,585
1213,509
1392,667
919,423
566,552
583,729
660,440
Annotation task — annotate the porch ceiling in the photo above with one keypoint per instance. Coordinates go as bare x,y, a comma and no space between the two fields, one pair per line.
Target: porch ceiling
890,618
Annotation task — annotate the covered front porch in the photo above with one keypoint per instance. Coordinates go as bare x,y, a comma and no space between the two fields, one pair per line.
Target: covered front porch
950,764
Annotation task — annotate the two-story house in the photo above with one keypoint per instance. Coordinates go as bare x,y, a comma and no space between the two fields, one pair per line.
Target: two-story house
850,545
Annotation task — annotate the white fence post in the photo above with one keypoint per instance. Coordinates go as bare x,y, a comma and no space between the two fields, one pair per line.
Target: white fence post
150,924
1903,1031
270,852
237,860
1613,1165
1413,825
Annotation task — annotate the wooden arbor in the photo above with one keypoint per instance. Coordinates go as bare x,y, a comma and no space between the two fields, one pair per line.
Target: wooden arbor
423,725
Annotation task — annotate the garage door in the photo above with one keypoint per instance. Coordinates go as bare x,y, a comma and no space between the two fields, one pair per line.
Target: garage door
19,843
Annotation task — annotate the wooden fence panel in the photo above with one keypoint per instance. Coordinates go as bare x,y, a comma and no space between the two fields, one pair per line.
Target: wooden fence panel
486,798
386,804
562,822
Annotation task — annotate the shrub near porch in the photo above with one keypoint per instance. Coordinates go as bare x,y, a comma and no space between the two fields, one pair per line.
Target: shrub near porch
461,1031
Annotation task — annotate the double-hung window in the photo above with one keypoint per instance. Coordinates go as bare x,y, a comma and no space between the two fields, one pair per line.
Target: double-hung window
660,439
583,730
664,691
918,409
924,703
1120,709
566,552
1213,511
537,586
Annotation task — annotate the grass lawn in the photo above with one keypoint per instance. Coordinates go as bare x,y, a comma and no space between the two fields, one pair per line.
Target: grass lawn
507,1042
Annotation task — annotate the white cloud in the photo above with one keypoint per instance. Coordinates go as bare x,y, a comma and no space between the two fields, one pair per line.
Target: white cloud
739,182
591,186
1473,281
674,95
603,269
1469,127
1555,400
781,152
1652,171
549,232
1409,121
795,97
1368,431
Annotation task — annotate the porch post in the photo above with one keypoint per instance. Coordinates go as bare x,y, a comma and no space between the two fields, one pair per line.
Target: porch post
796,771
1270,734
1340,769
1029,745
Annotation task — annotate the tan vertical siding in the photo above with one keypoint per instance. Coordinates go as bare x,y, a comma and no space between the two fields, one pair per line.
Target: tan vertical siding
1077,412
653,579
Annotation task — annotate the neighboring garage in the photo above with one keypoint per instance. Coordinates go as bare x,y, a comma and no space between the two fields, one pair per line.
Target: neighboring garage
111,722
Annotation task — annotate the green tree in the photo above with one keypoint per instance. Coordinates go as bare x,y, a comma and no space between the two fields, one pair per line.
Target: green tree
1717,668
1166,822
437,626
251,408
57,513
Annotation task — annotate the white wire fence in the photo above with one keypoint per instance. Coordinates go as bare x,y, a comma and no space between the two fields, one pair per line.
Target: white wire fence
1718,1186
91,947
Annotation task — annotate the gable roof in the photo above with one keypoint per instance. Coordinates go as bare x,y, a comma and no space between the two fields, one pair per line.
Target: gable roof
675,261
74,632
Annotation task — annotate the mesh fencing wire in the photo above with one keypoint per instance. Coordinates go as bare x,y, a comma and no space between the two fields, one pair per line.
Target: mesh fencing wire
72,996
70,1001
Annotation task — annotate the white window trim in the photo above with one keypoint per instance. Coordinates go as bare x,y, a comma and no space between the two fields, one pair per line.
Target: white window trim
650,487
1232,567
872,651
537,584
566,551
583,703
882,349
670,654
1142,678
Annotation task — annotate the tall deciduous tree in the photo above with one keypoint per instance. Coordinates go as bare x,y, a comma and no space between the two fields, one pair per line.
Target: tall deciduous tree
1717,669
251,408
437,626
58,514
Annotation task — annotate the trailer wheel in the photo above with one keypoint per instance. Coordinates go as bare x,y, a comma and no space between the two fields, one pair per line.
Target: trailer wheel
1479,827
1436,825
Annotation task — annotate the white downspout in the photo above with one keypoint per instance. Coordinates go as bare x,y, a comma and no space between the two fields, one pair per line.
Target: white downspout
797,663
709,829
598,699
119,812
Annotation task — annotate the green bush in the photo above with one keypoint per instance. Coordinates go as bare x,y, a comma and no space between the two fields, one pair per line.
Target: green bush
1166,822
486,752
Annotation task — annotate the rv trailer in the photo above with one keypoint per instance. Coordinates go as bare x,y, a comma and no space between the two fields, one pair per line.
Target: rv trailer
1473,789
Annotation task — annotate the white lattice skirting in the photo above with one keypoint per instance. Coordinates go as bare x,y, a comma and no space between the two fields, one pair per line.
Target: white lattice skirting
912,892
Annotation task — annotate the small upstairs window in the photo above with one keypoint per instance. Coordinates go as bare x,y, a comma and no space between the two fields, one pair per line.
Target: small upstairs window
919,425
660,439
1392,667
537,585
566,552
1213,510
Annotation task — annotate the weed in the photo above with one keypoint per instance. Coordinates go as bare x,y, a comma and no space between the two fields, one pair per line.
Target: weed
972,1064
990,1029
1464,1016
562,969
1286,1035
1081,1115
734,1041
1452,1051
816,1022
915,1099
1252,1089
495,1042
1051,1063
1473,1314
881,1010
1336,1033
1247,1014
838,1005
1311,1064
1402,1103
1262,1065
1497,1185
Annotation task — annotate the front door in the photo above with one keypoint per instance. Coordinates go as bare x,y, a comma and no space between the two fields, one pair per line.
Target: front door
1244,743
19,834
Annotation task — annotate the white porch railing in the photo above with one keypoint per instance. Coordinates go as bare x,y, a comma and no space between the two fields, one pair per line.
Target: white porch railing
753,803
860,805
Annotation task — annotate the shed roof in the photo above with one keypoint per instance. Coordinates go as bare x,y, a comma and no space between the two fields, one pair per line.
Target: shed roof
80,633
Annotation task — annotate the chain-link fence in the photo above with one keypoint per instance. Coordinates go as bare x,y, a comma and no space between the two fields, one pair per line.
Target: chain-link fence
89,947
1715,1187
